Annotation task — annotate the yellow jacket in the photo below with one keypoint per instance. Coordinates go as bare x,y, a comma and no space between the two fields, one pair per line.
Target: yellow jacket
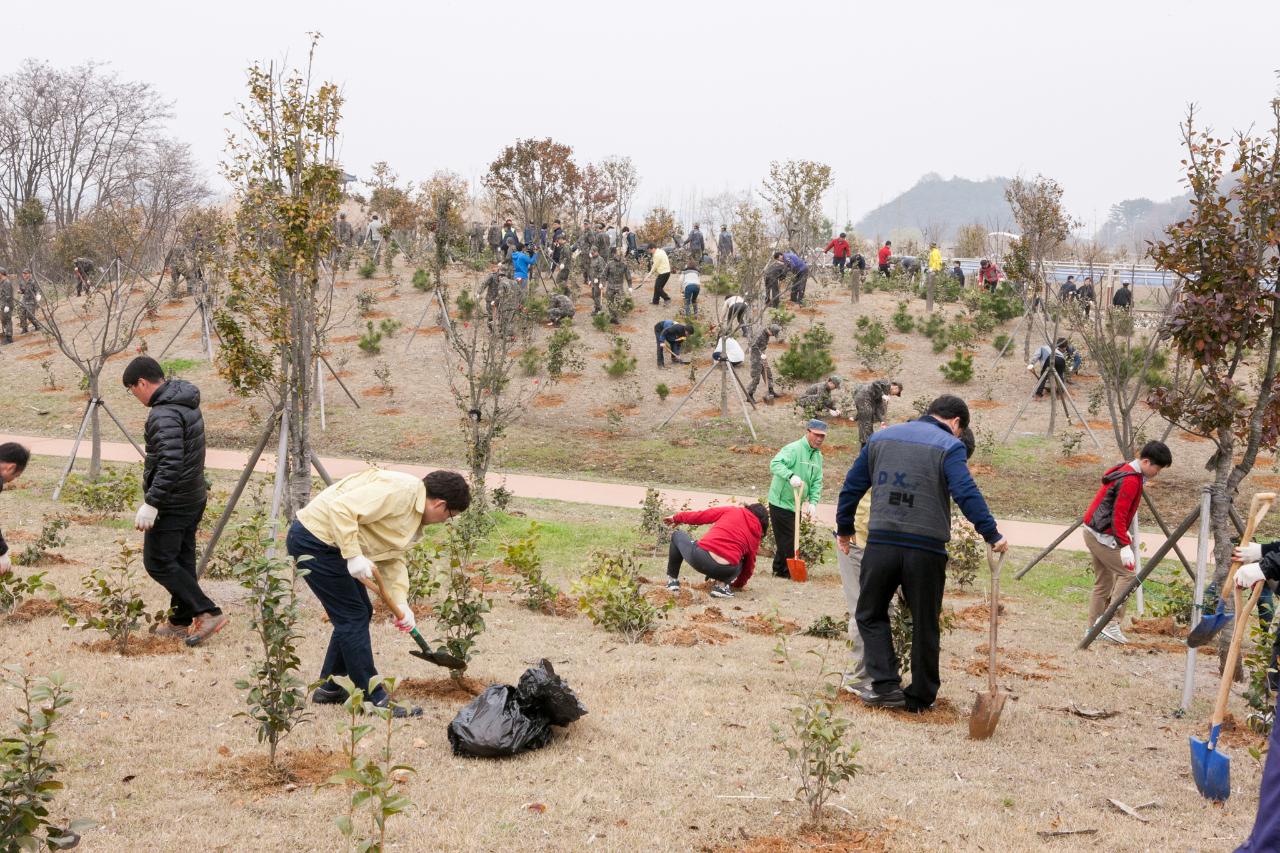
935,260
375,513
661,263
862,518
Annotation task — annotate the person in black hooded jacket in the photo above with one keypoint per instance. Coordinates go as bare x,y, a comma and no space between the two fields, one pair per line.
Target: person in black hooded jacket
13,461
174,493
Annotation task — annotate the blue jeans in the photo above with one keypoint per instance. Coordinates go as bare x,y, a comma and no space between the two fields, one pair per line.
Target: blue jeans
691,292
350,651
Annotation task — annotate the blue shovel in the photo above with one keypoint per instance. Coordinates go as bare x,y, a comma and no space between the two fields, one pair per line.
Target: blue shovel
1210,767
1210,624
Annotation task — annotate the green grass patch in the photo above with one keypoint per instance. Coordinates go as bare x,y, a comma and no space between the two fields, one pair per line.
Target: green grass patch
178,366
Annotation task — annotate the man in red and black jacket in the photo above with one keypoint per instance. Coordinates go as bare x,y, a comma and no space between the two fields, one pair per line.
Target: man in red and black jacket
839,249
886,252
726,554
1107,523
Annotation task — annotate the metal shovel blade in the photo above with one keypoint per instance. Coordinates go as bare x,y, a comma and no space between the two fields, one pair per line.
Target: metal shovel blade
798,569
1209,626
986,714
440,657
1210,767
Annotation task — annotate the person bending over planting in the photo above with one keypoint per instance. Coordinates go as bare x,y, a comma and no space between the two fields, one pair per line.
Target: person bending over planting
367,519
727,554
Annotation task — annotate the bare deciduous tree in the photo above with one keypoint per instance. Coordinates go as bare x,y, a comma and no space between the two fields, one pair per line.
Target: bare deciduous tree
794,190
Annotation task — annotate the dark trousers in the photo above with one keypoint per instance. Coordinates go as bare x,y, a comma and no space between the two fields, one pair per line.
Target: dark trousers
169,556
783,523
684,550
884,270
1060,365
660,288
798,285
839,263
350,651
921,575
771,287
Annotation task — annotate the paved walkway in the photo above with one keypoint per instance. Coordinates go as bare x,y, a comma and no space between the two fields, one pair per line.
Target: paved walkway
1027,534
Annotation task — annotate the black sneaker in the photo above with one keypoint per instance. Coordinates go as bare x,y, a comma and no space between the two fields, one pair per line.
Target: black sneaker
673,584
914,706
323,695
784,575
893,699
399,711
721,590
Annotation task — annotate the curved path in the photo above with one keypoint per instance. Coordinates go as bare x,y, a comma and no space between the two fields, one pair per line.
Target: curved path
1026,534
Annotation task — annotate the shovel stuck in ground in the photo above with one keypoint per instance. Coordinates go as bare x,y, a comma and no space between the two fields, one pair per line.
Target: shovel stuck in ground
1211,623
1210,767
796,567
439,657
987,706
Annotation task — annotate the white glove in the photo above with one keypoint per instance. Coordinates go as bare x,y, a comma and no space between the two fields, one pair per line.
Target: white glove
360,566
1249,574
6,565
146,517
1127,558
796,482
1250,553
1032,367
408,623
811,510
884,397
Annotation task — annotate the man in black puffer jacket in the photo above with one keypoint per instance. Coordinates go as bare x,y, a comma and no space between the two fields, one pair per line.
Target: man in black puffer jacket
173,497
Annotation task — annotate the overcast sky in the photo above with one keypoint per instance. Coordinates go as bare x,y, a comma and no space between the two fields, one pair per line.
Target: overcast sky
703,95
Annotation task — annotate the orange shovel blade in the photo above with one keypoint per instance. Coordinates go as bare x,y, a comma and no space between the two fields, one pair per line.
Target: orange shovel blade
797,569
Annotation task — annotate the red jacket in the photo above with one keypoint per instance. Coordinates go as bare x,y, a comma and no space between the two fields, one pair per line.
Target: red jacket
839,247
990,275
885,254
734,535
1126,506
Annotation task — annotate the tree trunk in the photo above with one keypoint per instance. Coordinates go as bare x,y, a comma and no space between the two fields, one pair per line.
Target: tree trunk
95,440
299,384
1223,535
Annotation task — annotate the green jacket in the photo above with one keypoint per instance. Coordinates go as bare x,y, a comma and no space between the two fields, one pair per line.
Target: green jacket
800,459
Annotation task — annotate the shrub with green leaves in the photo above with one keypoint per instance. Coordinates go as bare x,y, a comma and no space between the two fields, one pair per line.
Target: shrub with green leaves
652,510
815,543
421,279
959,369
531,361
1002,344
828,627
564,353
276,694
365,301
466,305
371,341
119,608
933,327
420,562
781,316
28,773
600,322
620,361
609,594
869,346
51,536
115,490
818,740
960,333
501,498
15,589
367,269
536,306
460,616
241,543
902,319
662,391
522,557
965,554
389,326
372,781
900,628
808,358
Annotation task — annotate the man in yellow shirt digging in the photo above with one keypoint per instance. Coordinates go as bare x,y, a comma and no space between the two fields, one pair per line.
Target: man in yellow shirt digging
367,519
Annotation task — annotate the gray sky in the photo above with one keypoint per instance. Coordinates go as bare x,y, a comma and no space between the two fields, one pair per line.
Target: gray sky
703,95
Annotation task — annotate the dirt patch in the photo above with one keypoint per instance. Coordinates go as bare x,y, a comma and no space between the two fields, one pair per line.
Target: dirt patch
762,625
1104,425
661,596
943,713
865,375
390,411
36,356
711,615
439,689
221,404
345,339
691,635
709,413
36,608
1017,654
571,377
984,404
149,330
753,449
979,469
1080,460
1268,481
603,411
810,841
547,401
1236,734
1164,627
682,442
1155,646
680,390
977,617
375,391
254,773
142,645
979,668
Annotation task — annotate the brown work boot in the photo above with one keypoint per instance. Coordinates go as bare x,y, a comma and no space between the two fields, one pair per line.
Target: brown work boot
170,630
205,627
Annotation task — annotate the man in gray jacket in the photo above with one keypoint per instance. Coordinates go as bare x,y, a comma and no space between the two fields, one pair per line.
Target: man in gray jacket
724,246
696,245
917,468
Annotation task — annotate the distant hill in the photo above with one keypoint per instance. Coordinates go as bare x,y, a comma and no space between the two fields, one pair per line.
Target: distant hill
938,205
1134,221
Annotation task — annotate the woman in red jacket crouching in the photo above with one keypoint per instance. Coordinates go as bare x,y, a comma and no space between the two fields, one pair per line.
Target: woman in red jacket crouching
726,554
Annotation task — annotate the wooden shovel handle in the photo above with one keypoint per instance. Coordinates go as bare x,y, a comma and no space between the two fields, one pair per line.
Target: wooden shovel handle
994,605
1233,654
1258,508
797,493
377,586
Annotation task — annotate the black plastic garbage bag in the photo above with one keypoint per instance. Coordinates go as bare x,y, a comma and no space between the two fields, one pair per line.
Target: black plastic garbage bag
493,725
505,720
543,693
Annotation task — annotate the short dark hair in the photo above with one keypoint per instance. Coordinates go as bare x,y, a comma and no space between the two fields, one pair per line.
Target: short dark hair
777,255
1157,453
950,406
13,452
142,367
762,516
969,442
450,487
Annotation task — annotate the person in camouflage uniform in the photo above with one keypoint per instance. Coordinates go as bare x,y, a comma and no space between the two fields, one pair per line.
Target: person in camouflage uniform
6,306
871,405
592,272
30,293
586,242
616,273
501,297
175,263
602,243
773,274
561,259
759,367
561,309
82,268
817,397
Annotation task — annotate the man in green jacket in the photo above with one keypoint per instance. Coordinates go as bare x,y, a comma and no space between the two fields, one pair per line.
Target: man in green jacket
797,464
